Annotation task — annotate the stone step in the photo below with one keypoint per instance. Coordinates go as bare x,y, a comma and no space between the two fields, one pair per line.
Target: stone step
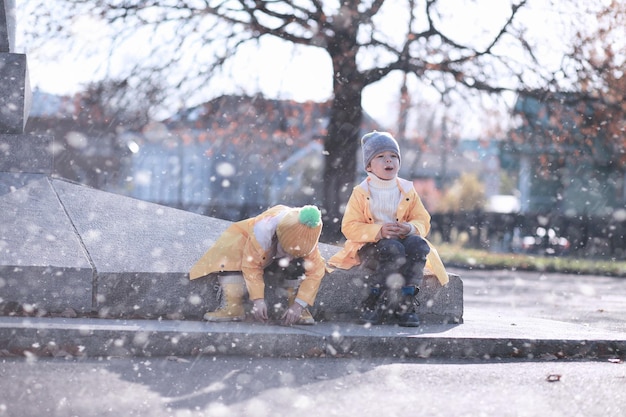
65,247
483,335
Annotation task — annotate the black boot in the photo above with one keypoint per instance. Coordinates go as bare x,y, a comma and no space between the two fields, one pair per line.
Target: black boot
407,314
371,309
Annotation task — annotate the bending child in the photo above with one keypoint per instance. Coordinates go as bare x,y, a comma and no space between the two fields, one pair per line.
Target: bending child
385,224
282,241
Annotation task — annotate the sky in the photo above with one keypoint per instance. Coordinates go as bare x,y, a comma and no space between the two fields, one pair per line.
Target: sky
282,76
278,77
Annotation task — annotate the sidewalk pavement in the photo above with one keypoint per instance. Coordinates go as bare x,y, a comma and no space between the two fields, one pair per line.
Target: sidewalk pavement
482,335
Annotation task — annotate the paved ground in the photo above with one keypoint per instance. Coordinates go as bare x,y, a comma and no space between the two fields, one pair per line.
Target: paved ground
260,387
342,386
591,301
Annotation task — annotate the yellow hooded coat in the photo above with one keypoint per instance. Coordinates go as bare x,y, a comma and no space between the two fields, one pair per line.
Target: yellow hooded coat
359,228
248,246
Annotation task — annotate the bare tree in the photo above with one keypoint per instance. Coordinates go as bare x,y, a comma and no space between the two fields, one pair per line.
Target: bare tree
587,119
598,61
366,40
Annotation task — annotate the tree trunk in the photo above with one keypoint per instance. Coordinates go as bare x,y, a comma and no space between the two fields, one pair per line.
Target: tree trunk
342,141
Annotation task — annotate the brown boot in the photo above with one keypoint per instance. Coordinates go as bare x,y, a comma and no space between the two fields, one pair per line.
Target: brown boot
231,308
305,316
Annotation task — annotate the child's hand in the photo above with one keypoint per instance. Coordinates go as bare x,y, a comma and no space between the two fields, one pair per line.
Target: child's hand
390,231
259,310
405,229
395,230
292,315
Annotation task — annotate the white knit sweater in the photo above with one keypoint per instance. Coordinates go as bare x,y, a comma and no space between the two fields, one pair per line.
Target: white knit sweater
385,197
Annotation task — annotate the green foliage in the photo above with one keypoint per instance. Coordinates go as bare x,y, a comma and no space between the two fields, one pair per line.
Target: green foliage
508,183
467,193
456,255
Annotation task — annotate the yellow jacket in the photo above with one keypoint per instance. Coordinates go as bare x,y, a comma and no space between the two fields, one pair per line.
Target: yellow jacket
359,228
247,246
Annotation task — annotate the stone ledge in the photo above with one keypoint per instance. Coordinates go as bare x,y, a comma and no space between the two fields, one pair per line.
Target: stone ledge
15,94
341,294
342,291
26,153
338,299
113,256
488,337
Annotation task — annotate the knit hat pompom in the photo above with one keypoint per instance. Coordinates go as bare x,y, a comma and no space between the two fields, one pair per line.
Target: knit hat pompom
375,143
310,216
299,230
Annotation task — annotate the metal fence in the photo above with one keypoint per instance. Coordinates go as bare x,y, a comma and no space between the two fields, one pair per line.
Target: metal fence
545,234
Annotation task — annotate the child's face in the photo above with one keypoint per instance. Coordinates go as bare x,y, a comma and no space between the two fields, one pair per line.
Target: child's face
385,165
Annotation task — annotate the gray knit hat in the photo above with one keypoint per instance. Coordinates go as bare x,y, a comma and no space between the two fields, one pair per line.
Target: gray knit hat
375,142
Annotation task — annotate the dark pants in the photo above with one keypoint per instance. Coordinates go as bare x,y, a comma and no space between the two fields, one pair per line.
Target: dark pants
397,262
291,271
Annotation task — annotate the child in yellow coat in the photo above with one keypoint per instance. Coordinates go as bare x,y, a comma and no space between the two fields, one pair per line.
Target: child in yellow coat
282,240
385,224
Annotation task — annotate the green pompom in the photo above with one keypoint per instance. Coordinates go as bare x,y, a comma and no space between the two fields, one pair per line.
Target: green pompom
310,216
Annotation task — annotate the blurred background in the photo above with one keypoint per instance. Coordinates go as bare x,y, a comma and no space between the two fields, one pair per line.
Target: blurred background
510,115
